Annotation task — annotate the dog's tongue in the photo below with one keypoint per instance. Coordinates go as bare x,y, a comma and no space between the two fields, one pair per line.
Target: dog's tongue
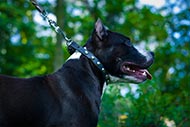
148,75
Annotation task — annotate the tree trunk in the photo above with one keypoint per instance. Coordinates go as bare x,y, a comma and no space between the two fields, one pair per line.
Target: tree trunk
59,12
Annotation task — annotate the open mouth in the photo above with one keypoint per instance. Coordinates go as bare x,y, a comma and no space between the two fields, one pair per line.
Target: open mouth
135,71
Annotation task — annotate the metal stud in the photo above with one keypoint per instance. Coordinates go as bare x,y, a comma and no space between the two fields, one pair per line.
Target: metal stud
98,63
86,52
92,57
107,77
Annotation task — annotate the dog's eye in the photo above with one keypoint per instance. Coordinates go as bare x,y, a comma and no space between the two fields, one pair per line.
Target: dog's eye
128,43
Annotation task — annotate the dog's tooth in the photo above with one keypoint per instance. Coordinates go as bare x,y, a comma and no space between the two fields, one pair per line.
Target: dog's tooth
128,68
144,73
133,70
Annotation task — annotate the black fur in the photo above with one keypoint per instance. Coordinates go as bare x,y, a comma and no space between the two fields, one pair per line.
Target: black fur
71,96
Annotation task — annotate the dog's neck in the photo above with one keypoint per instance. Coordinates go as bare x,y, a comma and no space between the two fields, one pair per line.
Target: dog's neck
81,65
78,56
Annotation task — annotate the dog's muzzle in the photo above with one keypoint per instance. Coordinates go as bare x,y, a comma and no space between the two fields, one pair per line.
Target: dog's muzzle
137,72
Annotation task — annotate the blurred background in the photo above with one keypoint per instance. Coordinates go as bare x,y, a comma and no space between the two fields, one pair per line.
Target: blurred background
29,47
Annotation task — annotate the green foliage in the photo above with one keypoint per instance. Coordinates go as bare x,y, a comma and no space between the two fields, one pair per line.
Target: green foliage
25,51
21,52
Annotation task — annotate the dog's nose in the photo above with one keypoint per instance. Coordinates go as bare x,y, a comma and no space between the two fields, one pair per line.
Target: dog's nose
152,54
149,59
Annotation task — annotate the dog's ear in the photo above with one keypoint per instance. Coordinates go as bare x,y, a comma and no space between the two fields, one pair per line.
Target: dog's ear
100,30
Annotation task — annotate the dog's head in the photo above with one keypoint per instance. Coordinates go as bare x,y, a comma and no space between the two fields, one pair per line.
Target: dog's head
119,57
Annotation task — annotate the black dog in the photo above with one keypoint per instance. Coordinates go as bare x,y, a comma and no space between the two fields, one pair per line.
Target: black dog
71,96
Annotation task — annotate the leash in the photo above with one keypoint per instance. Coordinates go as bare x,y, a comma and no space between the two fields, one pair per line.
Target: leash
71,45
